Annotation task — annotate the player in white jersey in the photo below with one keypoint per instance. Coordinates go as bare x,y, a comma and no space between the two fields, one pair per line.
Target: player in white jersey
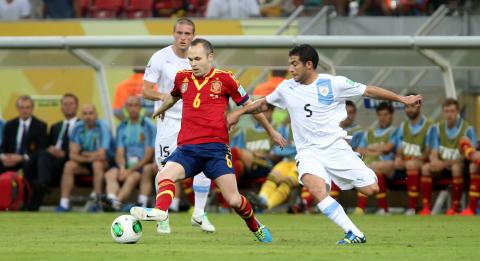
161,70
316,104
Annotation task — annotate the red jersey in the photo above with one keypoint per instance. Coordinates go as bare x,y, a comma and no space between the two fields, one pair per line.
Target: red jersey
204,102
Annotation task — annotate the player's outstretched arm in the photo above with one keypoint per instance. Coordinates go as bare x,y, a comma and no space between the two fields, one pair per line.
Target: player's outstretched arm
380,93
168,102
257,106
149,92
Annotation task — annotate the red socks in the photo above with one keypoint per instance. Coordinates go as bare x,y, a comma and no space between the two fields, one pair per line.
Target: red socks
426,189
307,198
382,192
334,191
245,211
187,186
166,192
474,191
457,188
413,185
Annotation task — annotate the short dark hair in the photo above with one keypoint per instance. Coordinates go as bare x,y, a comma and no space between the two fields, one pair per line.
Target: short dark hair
205,43
384,105
70,95
184,20
25,98
305,53
451,101
351,104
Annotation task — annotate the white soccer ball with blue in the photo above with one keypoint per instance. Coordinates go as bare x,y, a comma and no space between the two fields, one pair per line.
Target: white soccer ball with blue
126,229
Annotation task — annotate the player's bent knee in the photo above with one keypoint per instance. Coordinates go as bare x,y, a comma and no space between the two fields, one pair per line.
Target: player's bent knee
110,176
318,194
233,200
70,165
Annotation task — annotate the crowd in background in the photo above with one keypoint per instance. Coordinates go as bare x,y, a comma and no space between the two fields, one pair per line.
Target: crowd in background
415,155
217,9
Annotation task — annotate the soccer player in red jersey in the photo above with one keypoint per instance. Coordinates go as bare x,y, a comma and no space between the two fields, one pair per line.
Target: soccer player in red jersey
203,138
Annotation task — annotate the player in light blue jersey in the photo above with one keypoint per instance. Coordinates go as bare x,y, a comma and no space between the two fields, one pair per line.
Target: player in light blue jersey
316,104
378,148
133,158
445,155
90,146
415,136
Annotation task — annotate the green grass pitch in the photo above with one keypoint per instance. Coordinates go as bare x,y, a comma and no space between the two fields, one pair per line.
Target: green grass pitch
75,236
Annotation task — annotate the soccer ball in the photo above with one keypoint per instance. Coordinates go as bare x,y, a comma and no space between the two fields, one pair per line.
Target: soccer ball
126,229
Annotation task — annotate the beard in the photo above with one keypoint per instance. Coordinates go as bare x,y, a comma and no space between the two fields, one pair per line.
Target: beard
413,116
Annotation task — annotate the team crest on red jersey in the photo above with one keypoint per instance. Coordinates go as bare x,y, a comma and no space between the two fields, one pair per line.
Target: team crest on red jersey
216,87
184,85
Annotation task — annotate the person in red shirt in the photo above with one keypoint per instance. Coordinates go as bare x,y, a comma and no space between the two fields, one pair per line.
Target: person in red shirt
203,138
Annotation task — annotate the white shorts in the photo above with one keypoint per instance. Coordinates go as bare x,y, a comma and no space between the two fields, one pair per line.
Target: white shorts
166,139
337,163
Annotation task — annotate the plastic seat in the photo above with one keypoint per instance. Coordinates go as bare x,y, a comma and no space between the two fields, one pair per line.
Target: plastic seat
139,8
105,8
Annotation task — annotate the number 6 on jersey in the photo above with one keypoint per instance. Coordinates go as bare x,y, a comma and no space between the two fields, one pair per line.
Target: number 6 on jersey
196,101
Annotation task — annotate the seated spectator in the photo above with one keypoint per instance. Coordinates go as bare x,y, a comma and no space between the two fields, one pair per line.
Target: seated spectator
445,155
89,146
133,86
232,9
468,150
134,158
378,148
283,177
62,9
12,10
415,138
23,139
251,150
52,160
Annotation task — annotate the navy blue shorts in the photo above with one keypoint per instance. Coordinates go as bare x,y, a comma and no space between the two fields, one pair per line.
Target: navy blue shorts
213,159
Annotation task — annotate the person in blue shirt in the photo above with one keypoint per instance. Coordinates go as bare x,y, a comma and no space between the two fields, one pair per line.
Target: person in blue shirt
415,135
378,148
133,157
90,143
445,154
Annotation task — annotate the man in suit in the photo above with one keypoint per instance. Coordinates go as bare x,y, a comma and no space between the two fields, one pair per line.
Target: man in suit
52,159
24,137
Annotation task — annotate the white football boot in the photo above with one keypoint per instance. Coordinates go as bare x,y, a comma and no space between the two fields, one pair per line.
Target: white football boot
203,222
149,214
